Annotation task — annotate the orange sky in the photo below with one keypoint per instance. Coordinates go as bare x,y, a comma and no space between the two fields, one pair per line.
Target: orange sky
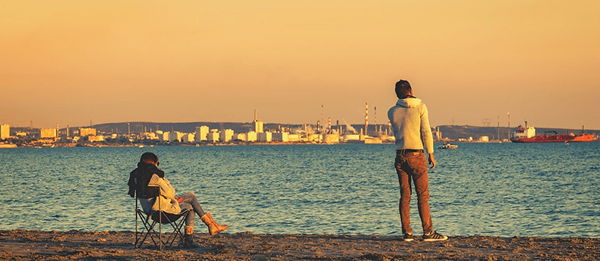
74,62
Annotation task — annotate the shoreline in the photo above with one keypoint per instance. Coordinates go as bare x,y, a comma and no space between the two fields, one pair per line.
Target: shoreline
111,245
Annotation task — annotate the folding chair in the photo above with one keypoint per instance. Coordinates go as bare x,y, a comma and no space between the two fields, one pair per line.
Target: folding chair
150,220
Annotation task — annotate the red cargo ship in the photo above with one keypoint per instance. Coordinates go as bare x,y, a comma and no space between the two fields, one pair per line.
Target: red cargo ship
523,135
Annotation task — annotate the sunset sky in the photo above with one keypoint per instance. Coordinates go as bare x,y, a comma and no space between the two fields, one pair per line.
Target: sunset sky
73,62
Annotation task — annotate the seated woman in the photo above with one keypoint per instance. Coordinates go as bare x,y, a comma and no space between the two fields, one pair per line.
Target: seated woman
167,202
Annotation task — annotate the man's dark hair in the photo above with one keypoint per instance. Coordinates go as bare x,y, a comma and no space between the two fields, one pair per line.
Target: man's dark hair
403,89
149,157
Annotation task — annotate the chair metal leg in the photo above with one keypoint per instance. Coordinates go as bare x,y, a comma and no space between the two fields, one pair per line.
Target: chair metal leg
136,222
160,242
148,230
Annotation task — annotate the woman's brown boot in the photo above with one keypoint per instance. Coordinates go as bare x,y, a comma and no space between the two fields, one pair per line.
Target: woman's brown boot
213,227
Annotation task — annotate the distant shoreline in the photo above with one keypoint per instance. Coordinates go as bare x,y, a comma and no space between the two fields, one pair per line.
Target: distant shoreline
101,145
59,245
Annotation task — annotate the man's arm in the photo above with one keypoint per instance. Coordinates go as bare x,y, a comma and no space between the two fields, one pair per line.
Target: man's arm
426,134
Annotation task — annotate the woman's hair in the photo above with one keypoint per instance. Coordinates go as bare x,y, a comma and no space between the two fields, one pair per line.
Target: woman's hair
149,157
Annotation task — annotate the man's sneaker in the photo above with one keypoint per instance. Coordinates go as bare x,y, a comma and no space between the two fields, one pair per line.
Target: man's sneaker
434,236
409,238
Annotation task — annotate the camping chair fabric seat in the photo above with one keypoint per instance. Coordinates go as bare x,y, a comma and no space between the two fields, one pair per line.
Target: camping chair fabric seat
166,217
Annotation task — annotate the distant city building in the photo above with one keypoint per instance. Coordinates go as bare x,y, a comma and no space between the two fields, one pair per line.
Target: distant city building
294,137
331,138
4,131
188,138
94,138
313,137
87,132
164,136
150,136
351,137
258,126
175,136
226,135
438,133
265,136
239,136
47,133
251,136
213,135
201,133
280,136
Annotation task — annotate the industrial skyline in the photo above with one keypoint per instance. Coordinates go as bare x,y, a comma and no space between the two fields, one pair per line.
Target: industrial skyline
319,123
74,62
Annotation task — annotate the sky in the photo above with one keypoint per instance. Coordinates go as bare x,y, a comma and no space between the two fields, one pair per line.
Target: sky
473,62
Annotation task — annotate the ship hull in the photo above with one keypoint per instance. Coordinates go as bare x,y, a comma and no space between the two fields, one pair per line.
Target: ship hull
555,138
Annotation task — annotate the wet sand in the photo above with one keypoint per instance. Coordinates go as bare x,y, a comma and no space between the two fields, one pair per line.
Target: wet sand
77,245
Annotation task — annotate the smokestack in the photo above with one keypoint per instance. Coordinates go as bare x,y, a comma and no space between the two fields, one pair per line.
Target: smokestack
322,120
255,115
499,128
366,118
375,111
508,125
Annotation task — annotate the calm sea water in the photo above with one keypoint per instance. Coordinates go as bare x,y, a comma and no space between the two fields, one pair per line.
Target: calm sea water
548,190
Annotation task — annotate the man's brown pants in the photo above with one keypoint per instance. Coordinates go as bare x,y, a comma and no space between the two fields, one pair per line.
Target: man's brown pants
412,166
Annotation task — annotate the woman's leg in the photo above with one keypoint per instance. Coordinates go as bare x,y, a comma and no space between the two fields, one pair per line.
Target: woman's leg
191,199
191,217
189,226
213,227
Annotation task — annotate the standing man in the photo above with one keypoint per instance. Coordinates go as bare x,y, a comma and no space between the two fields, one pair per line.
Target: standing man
410,122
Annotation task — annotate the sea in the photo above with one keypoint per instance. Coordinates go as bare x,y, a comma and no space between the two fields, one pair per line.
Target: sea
492,189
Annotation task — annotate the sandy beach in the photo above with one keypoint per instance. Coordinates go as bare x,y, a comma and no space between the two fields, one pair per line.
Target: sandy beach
77,245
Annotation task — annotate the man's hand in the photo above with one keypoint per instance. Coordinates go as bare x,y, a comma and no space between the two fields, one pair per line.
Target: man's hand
432,161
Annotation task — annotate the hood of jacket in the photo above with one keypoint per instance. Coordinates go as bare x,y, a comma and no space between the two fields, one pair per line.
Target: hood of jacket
409,102
150,169
139,178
